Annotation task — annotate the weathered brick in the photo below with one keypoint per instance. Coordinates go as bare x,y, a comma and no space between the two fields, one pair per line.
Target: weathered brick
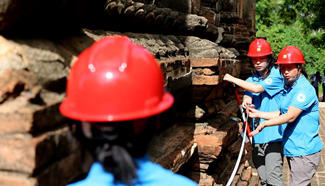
175,68
173,147
254,181
17,179
62,171
247,174
58,173
235,147
242,183
235,180
203,179
208,181
196,6
204,62
214,139
201,167
25,153
205,80
209,14
210,145
204,71
203,129
14,82
30,118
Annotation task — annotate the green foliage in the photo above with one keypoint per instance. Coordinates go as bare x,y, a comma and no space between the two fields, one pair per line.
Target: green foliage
294,22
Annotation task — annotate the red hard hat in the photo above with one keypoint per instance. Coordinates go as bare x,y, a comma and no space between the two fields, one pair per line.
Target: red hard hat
115,80
290,55
259,48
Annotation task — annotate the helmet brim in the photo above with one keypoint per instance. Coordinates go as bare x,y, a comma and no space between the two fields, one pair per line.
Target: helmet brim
71,112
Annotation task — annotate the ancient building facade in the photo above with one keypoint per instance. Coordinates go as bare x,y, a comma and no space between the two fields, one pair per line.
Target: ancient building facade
195,43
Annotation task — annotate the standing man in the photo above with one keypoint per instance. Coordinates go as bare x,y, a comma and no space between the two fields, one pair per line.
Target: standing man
323,85
315,79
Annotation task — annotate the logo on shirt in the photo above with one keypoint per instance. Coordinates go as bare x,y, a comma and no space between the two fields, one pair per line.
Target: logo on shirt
268,81
301,97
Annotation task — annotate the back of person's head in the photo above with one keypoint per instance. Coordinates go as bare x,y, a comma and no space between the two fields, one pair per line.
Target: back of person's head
116,144
115,88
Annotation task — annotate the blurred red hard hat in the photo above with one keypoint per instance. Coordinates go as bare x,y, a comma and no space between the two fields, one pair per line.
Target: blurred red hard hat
115,80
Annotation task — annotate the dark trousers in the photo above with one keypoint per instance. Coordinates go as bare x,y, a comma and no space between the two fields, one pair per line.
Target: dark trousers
323,85
316,89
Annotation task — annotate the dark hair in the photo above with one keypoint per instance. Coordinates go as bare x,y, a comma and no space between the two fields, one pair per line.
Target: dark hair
318,75
270,63
303,71
116,147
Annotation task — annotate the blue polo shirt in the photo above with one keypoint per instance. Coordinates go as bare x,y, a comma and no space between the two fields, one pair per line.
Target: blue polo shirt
301,136
149,174
268,101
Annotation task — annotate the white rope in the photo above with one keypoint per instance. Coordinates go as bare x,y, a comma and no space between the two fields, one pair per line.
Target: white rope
239,156
244,120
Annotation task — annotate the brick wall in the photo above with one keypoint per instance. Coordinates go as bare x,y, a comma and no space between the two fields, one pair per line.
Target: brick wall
195,43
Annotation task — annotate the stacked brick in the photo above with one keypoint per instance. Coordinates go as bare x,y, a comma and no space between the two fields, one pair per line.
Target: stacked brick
36,142
195,42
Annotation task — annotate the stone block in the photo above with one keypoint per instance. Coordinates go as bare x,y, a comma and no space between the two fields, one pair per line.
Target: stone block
14,82
17,179
226,172
235,147
203,129
209,14
247,174
173,147
29,118
235,180
254,181
231,128
209,181
58,173
210,146
205,80
240,169
204,71
196,6
175,68
203,179
175,85
25,153
63,171
242,183
200,167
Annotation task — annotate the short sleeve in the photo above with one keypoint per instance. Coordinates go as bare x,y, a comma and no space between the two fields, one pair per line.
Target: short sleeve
302,100
251,94
273,84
